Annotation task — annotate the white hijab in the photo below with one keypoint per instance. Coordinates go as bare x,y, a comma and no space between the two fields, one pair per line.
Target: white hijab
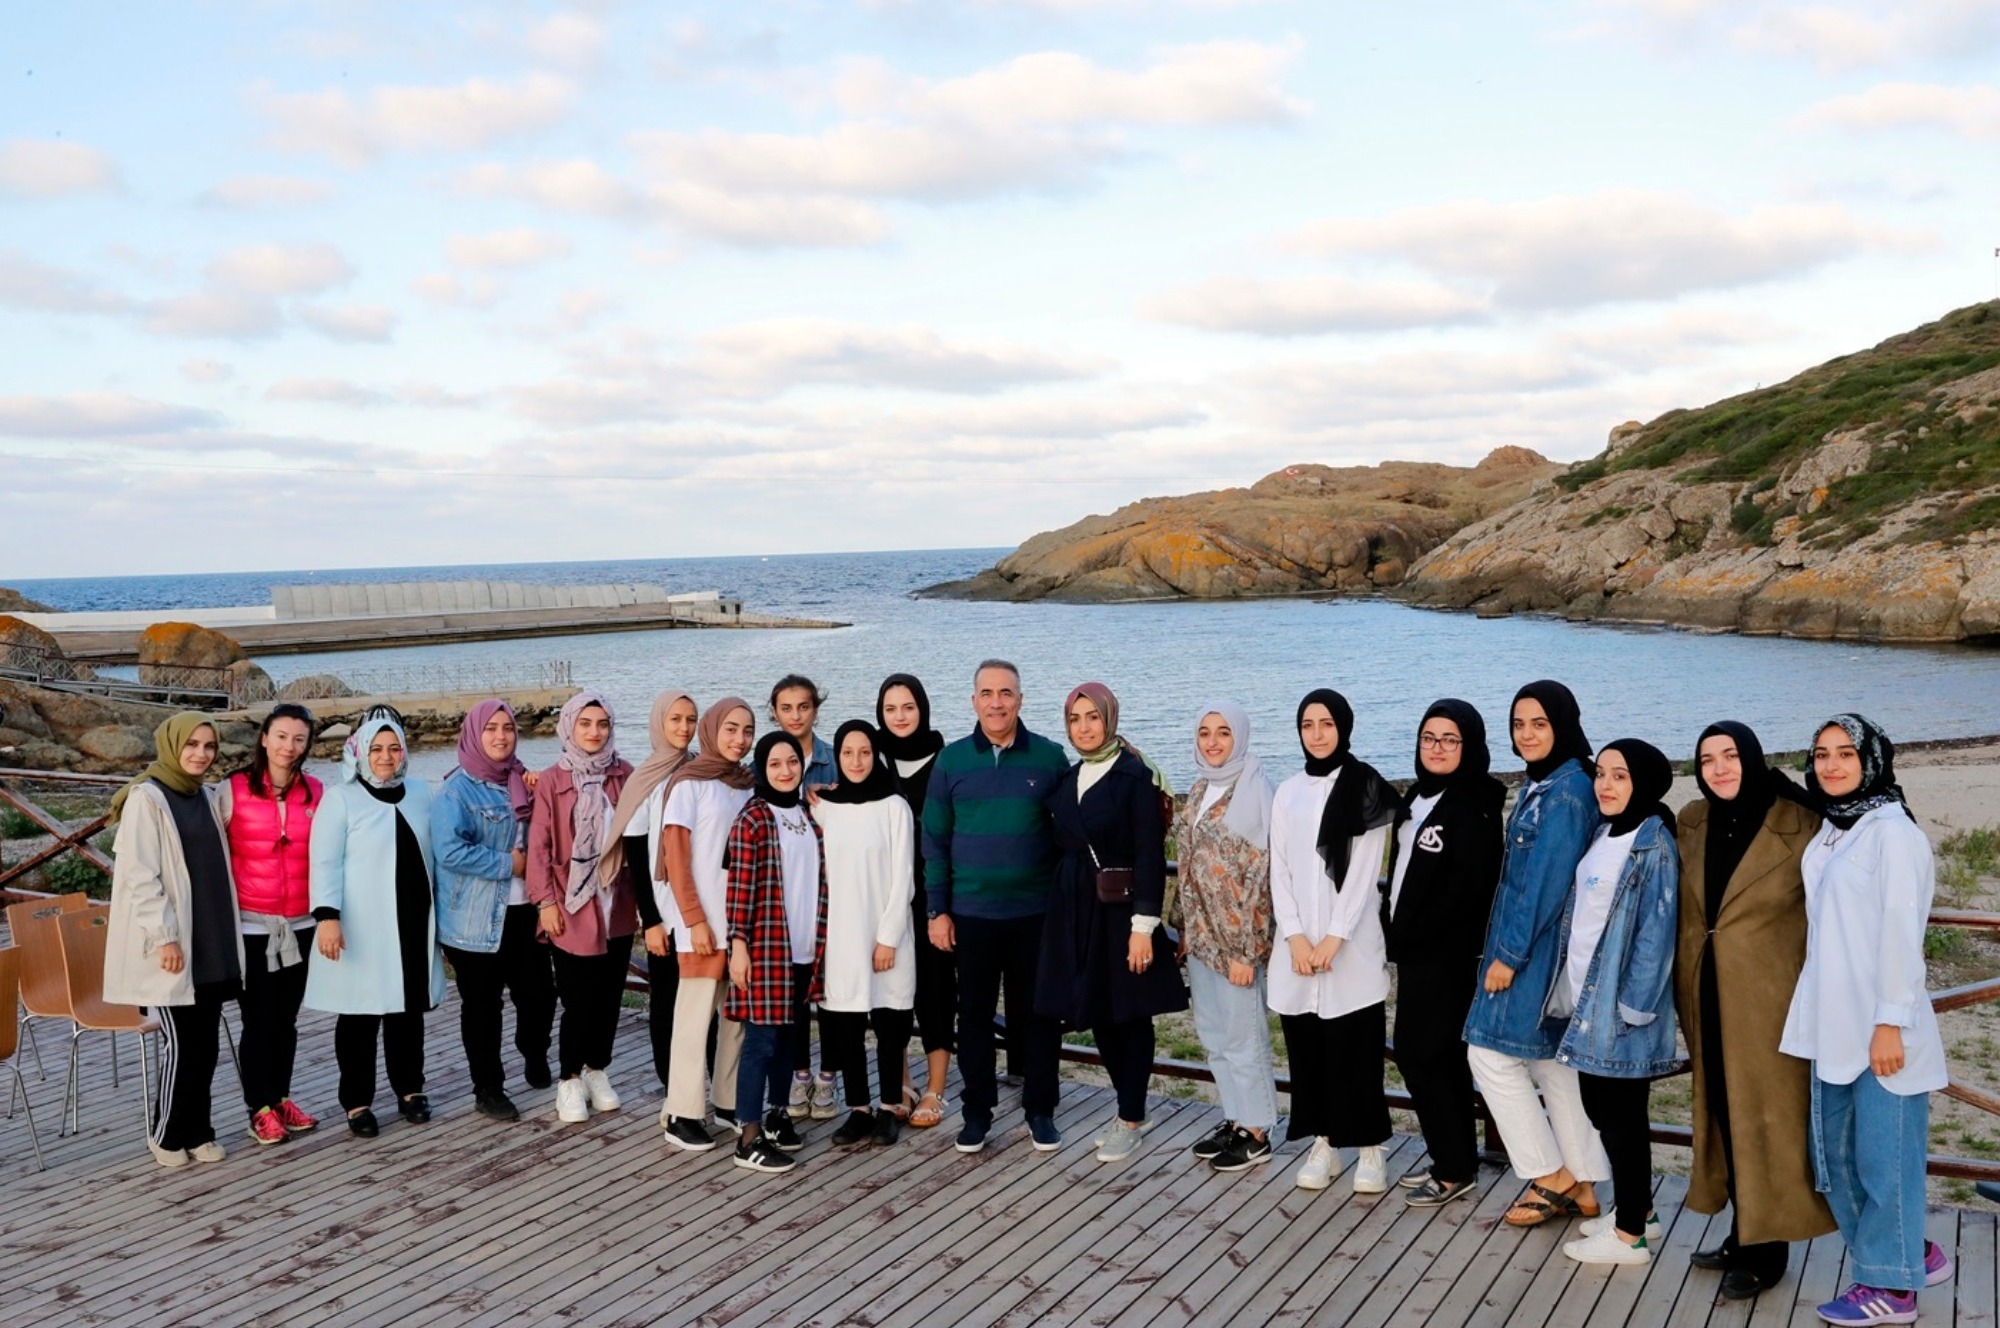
1248,816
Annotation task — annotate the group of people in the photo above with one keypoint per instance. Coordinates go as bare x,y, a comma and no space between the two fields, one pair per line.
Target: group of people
893,882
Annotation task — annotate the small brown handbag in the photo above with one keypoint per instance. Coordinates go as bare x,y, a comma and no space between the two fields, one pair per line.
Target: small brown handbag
1114,884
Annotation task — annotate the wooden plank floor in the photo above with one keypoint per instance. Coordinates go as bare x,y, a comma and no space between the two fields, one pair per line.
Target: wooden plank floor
465,1223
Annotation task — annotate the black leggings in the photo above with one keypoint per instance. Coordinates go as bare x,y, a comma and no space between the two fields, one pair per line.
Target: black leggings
846,1051
1621,1111
592,988
937,986
402,1037
520,967
270,1008
1127,1050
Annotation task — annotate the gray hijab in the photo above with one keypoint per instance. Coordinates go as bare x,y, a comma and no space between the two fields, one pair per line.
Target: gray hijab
1248,815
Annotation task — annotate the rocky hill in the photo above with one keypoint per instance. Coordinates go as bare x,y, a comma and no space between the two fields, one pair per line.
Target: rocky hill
1856,501
13,601
1305,529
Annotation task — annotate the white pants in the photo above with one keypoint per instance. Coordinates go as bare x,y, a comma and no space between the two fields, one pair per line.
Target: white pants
1539,1109
696,1001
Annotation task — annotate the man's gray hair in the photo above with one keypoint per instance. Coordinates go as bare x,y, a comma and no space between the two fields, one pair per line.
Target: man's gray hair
986,664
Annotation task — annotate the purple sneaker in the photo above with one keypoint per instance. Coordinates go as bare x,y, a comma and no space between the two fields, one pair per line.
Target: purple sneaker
1937,1264
1869,1305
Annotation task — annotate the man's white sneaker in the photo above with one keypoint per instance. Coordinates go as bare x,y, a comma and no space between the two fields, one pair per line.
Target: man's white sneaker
1371,1172
1590,1226
1607,1247
572,1101
1323,1163
597,1087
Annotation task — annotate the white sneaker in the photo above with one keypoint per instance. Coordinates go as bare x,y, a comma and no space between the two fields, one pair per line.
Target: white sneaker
799,1106
1590,1226
1323,1163
822,1098
208,1152
572,1101
1119,1143
168,1157
1371,1172
597,1085
1607,1247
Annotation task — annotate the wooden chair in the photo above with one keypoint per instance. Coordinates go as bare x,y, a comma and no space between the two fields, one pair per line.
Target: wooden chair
10,1042
44,991
83,968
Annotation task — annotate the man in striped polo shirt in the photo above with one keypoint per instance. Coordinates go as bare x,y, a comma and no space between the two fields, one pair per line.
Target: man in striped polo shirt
989,861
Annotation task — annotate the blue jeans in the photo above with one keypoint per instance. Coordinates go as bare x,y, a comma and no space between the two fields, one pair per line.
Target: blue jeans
1868,1160
763,1071
1234,1026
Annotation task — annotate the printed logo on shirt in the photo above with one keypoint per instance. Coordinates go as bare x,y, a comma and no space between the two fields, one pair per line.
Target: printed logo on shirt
1431,839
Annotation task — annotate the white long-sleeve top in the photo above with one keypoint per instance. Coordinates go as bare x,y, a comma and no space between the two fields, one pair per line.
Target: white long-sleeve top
1868,897
870,880
1305,903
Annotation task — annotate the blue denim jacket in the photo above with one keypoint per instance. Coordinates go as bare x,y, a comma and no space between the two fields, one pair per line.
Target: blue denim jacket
1547,834
473,836
1623,1026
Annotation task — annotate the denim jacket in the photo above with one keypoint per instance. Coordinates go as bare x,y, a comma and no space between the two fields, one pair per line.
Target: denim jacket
473,837
1547,834
1623,1025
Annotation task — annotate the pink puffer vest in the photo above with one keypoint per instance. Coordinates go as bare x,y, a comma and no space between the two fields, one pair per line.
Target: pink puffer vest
272,877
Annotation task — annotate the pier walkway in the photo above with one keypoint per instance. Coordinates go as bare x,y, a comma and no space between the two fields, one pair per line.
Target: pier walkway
466,1223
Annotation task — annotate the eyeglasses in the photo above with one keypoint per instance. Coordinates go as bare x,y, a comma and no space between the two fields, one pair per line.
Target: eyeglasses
1433,742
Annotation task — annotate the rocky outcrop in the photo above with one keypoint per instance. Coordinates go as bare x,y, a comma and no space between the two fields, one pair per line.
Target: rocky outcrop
14,632
52,730
13,601
1304,529
169,646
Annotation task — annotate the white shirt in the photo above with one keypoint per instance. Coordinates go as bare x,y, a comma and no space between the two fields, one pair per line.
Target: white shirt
1868,898
908,768
870,881
1406,843
705,808
799,848
1306,904
1596,882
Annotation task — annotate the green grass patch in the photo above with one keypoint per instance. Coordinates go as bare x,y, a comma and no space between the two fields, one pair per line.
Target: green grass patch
1942,944
17,824
70,873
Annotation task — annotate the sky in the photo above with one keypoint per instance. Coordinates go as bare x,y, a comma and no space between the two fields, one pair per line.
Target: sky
300,283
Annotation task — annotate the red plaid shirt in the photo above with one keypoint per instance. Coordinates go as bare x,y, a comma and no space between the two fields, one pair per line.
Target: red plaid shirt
756,870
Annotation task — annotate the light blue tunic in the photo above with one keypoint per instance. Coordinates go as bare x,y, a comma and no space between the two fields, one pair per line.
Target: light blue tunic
354,870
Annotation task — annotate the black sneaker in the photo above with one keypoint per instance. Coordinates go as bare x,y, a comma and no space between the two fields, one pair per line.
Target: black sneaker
536,1072
1211,1144
780,1131
688,1136
1244,1151
1435,1193
888,1128
725,1118
416,1108
972,1136
495,1105
760,1155
1044,1134
1414,1179
858,1128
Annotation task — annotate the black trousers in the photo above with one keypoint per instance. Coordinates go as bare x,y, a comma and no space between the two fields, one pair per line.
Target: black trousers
997,953
592,988
1431,1004
190,1039
1768,1258
269,1045
936,1008
802,1032
846,1051
1127,1050
1338,1089
1621,1110
520,969
402,1038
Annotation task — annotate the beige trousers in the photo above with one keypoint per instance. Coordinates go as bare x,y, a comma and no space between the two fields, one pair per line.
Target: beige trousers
688,1092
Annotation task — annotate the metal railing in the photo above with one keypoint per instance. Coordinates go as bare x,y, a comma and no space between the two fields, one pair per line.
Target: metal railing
413,679
158,684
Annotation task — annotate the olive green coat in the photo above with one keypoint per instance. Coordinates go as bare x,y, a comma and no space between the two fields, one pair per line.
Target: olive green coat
1760,946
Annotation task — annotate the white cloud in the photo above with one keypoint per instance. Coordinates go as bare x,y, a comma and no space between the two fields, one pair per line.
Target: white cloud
251,192
39,168
1617,245
224,314
784,352
568,39
768,220
578,185
470,115
27,284
95,414
504,249
350,322
323,391
277,269
1838,37
207,371
1970,112
568,402
446,289
1299,306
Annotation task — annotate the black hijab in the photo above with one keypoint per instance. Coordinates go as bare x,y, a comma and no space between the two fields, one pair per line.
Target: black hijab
1361,799
1559,704
1734,822
881,781
926,742
1652,776
1474,759
1878,773
765,745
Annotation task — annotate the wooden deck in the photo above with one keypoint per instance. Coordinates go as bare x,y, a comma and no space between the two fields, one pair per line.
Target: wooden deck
466,1223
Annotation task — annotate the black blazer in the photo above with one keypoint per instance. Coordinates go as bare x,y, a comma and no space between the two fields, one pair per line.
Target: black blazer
1440,916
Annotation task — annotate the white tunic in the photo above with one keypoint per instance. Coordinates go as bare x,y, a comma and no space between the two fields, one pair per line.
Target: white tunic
870,881
1305,904
1868,897
706,809
1596,882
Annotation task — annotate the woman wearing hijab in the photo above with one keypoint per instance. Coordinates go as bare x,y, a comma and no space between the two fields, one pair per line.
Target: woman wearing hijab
910,746
1511,1042
777,943
635,839
1862,1016
701,800
479,836
1447,862
1106,963
589,914
1742,944
1330,830
1615,987
1223,912
174,942
371,894
869,978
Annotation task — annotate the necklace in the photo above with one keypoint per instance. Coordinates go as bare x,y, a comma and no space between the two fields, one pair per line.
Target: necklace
799,827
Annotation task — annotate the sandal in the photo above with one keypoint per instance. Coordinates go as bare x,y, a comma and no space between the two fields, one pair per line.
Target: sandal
1548,1206
925,1116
